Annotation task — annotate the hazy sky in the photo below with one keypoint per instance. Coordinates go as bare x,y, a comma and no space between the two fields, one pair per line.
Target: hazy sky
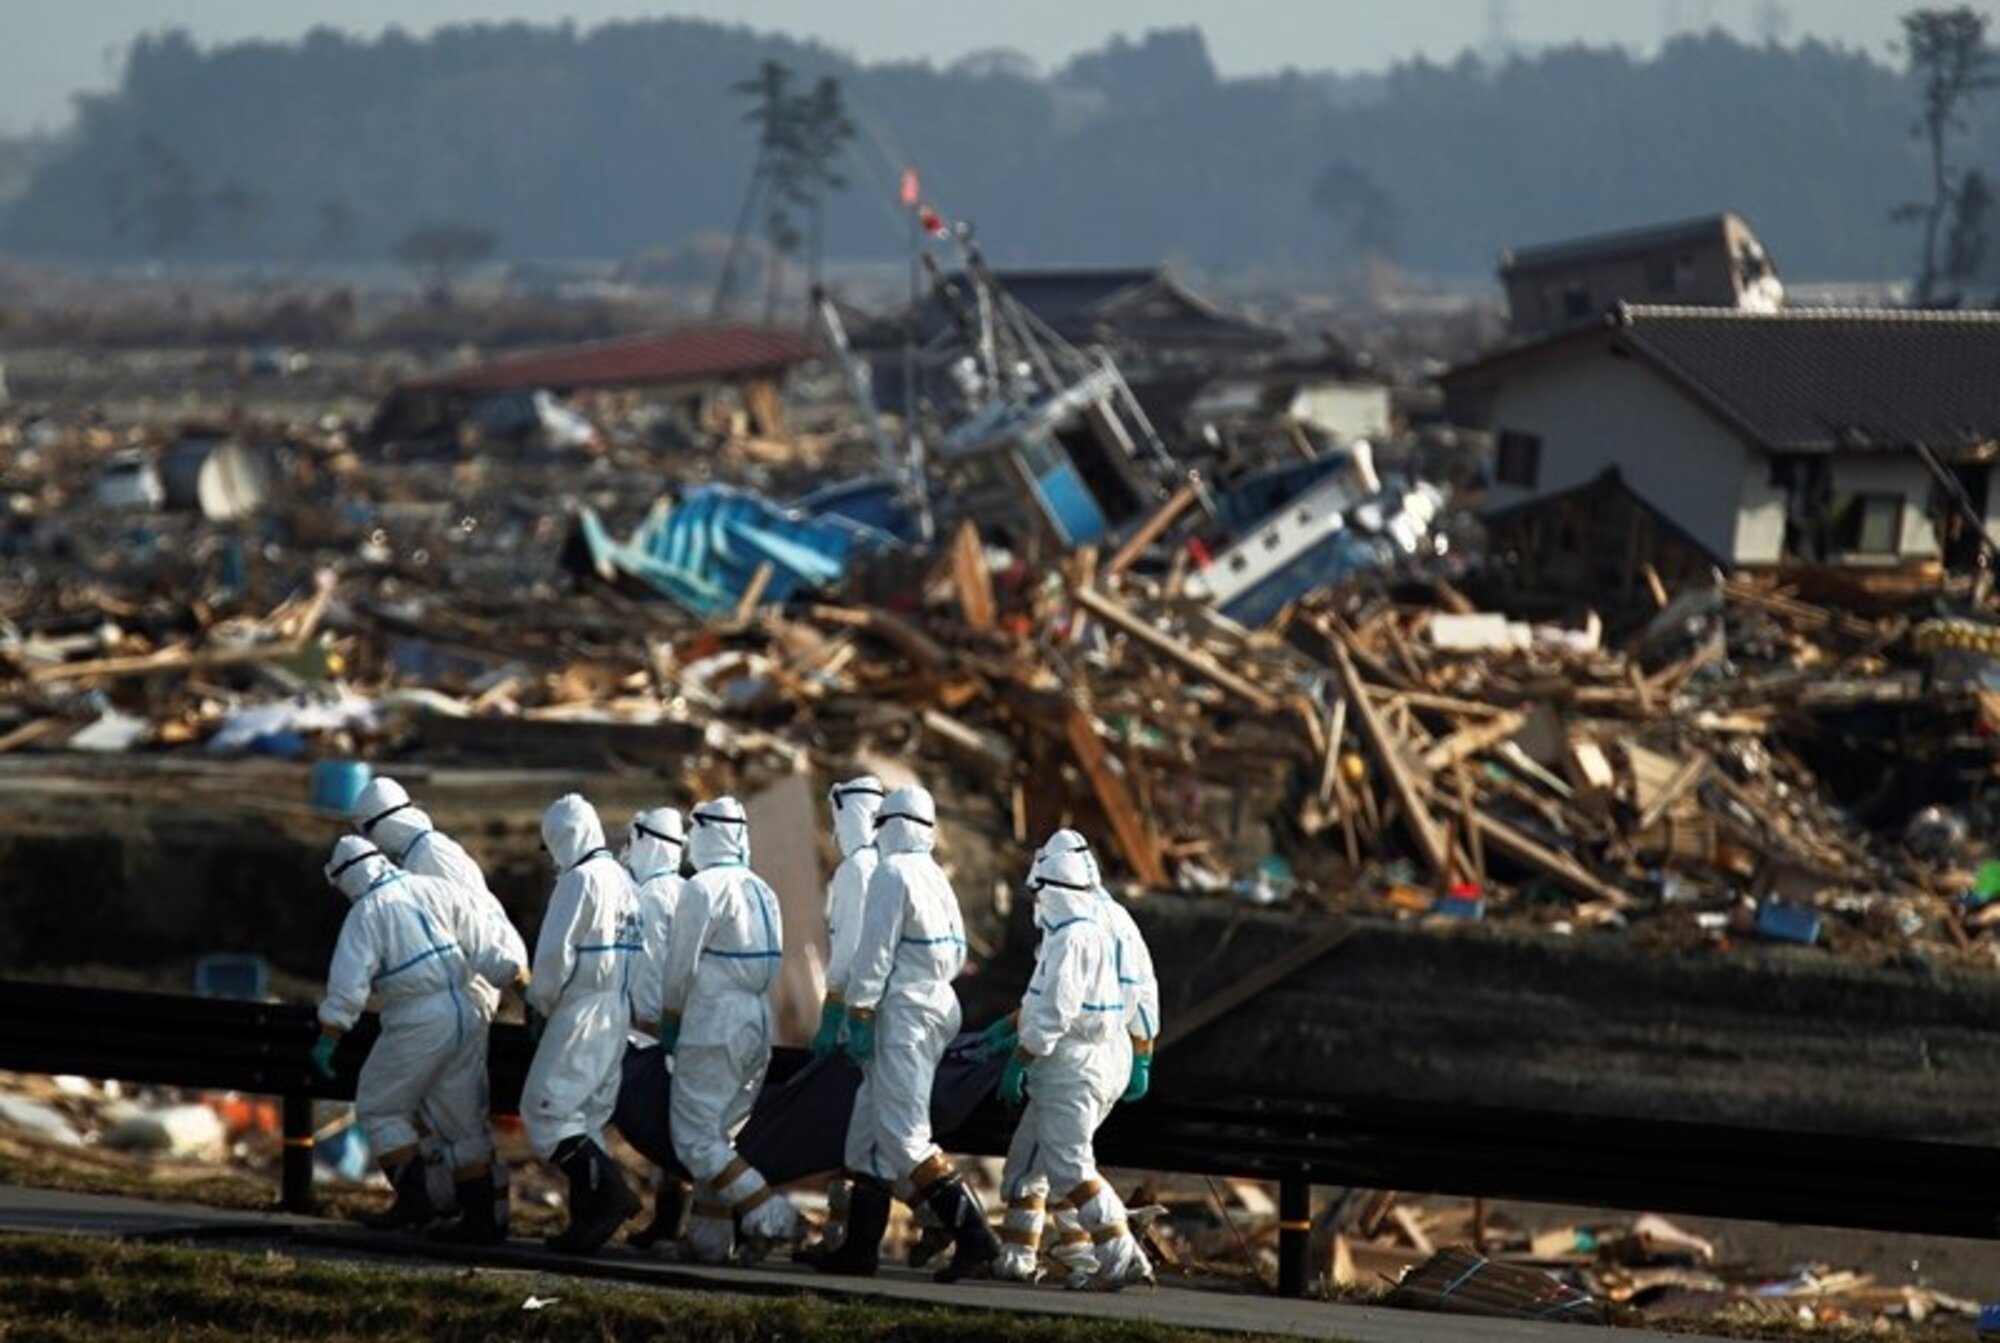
50,49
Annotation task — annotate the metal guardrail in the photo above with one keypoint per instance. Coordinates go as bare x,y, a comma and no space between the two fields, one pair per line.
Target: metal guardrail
1296,1140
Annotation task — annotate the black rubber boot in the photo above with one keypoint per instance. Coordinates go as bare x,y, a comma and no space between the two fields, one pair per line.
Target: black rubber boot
974,1246
476,1224
860,1252
413,1209
599,1198
670,1200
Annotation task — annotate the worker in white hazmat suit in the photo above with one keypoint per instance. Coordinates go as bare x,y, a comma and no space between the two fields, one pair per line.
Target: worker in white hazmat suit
589,950
412,944
728,947
1071,1063
854,805
387,817
901,1014
652,855
1137,984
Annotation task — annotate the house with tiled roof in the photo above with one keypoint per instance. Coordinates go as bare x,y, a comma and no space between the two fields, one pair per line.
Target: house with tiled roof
1746,440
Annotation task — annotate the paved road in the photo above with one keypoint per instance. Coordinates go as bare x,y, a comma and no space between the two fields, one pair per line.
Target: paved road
45,1210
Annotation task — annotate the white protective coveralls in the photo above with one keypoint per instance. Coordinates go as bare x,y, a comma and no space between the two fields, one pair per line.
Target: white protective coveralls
912,947
855,805
728,947
410,943
1073,1023
1137,984
385,815
653,857
586,956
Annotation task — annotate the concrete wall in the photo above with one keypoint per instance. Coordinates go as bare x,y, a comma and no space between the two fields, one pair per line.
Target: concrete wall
1596,410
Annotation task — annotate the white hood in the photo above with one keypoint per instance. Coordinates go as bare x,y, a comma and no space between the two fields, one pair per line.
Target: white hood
356,866
907,822
721,835
854,806
1062,842
571,831
655,844
386,815
1064,889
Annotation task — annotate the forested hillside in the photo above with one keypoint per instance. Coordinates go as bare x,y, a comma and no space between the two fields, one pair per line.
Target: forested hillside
604,143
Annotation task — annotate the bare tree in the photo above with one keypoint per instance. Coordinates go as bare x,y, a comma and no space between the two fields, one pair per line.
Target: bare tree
1965,248
441,253
1359,207
1946,50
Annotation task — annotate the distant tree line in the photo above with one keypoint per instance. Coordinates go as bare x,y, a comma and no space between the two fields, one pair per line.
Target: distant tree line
550,142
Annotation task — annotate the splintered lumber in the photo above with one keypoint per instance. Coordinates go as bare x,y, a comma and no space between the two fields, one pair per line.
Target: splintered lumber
294,623
1388,753
971,577
1677,786
1128,827
1560,868
1193,659
1150,531
990,747
924,652
1590,770
746,605
1471,741
31,731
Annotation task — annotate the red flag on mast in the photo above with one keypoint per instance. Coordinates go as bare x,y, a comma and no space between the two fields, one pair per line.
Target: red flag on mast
912,190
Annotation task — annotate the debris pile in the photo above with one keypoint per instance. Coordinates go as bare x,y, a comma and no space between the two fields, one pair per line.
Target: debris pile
1642,1270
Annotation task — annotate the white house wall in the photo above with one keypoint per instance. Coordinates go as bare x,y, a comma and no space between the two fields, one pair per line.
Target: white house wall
1899,474
1597,410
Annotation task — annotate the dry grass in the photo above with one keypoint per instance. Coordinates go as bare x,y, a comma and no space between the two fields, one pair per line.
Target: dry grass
62,1289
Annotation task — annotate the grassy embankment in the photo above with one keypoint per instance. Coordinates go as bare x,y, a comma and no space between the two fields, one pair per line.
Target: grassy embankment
103,1291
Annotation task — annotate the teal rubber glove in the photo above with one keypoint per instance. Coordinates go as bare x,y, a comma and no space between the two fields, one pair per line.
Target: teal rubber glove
860,1038
1000,1038
1142,1078
322,1056
536,1024
832,1016
670,1032
1014,1082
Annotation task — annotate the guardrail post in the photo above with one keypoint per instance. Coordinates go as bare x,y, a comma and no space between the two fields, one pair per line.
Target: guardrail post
297,1171
1294,1235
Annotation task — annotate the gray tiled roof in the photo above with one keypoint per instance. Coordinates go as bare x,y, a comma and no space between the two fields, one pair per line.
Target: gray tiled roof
1815,380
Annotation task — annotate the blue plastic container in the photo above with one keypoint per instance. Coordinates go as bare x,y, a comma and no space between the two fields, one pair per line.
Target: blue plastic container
1787,923
337,784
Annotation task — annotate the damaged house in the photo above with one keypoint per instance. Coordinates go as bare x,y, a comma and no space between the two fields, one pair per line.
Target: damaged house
1711,262
1688,437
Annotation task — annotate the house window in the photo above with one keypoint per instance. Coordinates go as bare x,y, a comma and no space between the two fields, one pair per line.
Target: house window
1576,301
1661,277
1518,460
1869,524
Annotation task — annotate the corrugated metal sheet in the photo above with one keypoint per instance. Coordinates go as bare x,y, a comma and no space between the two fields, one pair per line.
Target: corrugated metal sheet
695,354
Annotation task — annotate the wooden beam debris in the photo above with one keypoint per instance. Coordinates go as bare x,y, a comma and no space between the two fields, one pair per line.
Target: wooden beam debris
970,577
1152,529
1128,827
1192,659
1432,848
